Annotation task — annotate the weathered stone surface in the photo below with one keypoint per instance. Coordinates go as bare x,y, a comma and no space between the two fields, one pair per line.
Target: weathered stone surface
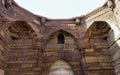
2,72
31,45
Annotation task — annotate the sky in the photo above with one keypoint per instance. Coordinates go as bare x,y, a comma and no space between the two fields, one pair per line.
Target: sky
60,8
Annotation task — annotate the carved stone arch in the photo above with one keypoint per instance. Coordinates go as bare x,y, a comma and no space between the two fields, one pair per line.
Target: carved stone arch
113,26
66,31
61,67
68,38
57,32
100,35
20,29
97,28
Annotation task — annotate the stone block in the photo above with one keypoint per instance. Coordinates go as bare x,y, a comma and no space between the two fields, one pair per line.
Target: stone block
26,65
89,50
2,72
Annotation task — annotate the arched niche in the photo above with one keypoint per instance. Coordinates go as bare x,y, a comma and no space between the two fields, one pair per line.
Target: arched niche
101,38
61,67
60,40
102,30
112,26
20,29
98,28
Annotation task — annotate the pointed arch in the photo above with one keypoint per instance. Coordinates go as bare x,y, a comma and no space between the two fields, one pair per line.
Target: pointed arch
61,67
20,29
59,38
113,26
60,31
97,28
101,35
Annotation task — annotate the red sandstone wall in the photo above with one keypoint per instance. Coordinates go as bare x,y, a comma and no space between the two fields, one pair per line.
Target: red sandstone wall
35,56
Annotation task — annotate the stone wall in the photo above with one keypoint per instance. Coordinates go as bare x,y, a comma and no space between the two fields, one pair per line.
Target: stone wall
97,58
30,45
23,58
117,11
66,51
2,72
115,47
114,50
3,58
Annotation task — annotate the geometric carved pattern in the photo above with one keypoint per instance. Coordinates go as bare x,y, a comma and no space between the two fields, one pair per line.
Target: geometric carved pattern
20,29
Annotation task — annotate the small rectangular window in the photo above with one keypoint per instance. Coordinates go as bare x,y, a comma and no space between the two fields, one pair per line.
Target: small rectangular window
61,39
